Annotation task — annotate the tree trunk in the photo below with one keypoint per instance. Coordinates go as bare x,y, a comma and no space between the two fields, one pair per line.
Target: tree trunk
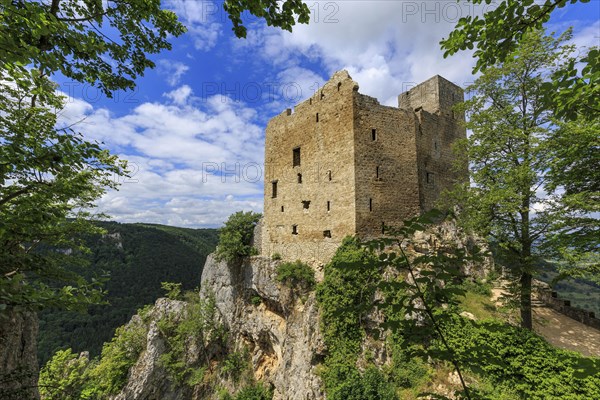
525,300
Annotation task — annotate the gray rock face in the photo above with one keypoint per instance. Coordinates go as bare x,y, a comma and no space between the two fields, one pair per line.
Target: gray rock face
147,379
278,326
448,234
281,331
18,355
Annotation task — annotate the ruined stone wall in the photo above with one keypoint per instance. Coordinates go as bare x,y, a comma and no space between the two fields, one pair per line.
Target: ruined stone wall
551,299
385,166
439,129
362,165
322,128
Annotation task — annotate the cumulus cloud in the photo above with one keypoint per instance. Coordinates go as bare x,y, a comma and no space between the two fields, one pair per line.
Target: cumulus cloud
180,95
172,70
192,162
203,20
387,46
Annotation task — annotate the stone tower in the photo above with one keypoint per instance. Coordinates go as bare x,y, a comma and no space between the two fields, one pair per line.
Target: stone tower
342,164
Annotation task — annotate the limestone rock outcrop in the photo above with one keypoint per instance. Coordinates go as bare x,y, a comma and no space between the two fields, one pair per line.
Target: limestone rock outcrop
18,355
280,330
148,380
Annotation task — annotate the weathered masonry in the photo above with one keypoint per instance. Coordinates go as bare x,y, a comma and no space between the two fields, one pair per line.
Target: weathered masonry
342,164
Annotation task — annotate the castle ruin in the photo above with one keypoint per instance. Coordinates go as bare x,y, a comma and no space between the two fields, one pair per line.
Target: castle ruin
342,164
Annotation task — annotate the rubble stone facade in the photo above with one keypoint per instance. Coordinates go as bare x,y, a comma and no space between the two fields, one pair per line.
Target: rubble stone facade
342,164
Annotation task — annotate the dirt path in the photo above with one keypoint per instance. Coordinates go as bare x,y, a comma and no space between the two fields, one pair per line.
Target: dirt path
562,331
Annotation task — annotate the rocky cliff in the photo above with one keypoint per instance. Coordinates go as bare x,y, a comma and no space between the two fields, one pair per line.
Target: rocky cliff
278,325
18,361
276,328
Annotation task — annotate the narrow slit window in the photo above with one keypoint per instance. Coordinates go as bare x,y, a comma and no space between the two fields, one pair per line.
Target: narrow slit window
317,117
274,189
281,208
382,227
296,157
430,178
299,178
339,86
329,175
377,172
328,205
322,95
327,234
370,204
294,229
373,134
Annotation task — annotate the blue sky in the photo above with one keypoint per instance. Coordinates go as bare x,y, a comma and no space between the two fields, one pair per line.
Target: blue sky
193,130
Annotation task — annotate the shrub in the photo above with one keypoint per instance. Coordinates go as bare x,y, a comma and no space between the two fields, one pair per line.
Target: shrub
256,300
172,290
109,375
235,364
235,238
345,297
198,324
256,392
296,274
523,361
63,376
477,287
276,256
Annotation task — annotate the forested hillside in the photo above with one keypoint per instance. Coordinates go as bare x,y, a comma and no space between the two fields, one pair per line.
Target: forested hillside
135,258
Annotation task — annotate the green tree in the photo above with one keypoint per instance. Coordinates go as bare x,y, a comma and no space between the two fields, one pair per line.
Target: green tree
497,34
107,43
101,43
235,238
49,178
63,377
274,12
575,146
509,151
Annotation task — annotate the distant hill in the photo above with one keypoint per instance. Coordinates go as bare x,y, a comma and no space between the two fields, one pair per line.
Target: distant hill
582,293
138,258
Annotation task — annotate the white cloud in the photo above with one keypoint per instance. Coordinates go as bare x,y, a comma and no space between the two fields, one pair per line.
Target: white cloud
203,20
193,162
172,70
387,46
180,95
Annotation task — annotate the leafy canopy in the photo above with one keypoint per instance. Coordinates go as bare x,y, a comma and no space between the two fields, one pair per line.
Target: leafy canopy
295,274
49,178
101,43
514,150
275,13
235,238
498,33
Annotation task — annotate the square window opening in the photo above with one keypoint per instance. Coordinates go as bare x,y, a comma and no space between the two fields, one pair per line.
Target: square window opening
327,234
